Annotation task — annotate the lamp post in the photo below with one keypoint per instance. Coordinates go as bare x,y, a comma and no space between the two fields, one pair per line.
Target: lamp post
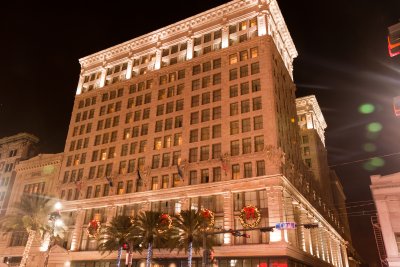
54,222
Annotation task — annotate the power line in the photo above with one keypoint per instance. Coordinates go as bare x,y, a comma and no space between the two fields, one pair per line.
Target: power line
361,160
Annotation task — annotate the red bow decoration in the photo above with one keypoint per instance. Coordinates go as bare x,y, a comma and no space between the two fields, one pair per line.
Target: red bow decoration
250,212
206,214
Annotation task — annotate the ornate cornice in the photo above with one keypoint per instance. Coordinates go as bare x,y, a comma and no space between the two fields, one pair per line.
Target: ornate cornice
188,27
311,101
39,161
282,28
19,137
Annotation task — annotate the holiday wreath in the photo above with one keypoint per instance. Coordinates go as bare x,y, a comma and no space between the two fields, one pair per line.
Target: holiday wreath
93,228
165,223
250,216
207,217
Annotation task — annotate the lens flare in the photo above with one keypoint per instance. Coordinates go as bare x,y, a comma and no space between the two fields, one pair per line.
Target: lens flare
366,108
369,147
374,127
377,162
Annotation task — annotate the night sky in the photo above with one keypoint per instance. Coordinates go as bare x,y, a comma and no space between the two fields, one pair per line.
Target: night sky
343,60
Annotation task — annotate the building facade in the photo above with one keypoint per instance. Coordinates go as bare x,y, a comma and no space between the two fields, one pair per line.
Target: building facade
37,175
385,191
198,114
13,149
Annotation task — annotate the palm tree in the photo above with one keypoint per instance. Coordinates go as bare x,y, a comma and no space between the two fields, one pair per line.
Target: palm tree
121,232
30,215
148,222
189,233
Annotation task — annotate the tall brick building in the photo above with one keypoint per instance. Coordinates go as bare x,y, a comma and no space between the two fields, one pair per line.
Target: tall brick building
198,114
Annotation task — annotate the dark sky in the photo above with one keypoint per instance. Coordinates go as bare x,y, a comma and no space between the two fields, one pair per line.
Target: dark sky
343,60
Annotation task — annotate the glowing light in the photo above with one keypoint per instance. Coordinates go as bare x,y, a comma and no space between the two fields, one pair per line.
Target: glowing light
369,147
368,166
275,236
366,108
58,223
67,264
58,205
227,238
377,162
374,127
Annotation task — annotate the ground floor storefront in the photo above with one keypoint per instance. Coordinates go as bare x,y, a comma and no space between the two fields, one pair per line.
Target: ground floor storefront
197,262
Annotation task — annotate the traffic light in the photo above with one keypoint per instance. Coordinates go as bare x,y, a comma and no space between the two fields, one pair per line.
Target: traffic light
267,229
310,225
125,246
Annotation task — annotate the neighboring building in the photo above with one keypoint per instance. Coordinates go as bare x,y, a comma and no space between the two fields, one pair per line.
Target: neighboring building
38,175
394,40
198,114
386,193
312,134
13,149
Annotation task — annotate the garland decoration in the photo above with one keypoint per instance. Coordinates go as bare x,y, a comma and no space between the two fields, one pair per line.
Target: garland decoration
93,228
207,217
165,223
250,216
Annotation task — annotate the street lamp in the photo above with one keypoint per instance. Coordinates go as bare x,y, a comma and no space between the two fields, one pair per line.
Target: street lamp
54,222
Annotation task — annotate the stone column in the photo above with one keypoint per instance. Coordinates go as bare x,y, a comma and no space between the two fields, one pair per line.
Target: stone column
110,213
386,227
225,36
189,49
80,84
157,63
275,212
345,258
314,242
77,231
261,24
128,74
102,80
228,217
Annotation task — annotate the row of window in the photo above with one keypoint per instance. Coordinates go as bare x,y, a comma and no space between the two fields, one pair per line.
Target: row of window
84,128
36,188
244,88
246,125
205,133
105,138
137,115
243,55
244,71
169,107
107,123
165,160
78,144
246,147
112,94
140,99
4,181
172,77
206,175
110,108
171,91
168,124
245,106
87,102
205,115
206,98
167,141
87,114
76,159
206,81
206,66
